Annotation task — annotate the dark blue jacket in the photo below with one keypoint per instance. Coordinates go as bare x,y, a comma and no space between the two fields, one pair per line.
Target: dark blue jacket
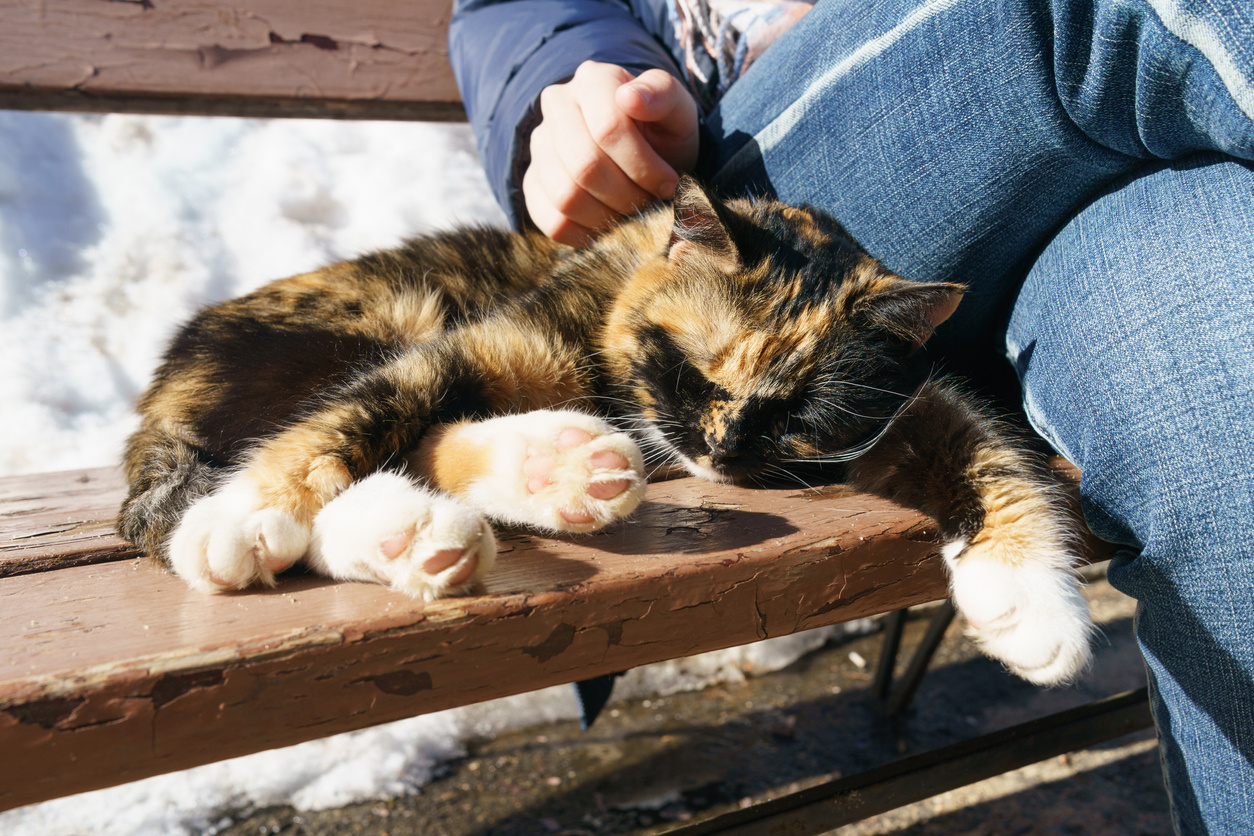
504,52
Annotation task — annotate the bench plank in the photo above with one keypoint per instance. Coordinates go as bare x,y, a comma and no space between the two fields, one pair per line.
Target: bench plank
114,671
60,519
369,59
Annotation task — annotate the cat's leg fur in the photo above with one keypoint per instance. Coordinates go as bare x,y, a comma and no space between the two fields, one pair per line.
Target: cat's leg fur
555,470
560,471
260,520
1010,544
361,427
382,528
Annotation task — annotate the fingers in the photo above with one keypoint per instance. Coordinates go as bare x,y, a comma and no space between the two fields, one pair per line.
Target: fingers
571,174
552,220
666,115
617,135
593,161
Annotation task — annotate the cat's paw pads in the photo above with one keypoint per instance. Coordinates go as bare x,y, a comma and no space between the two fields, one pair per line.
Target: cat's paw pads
227,540
601,473
387,529
580,474
1029,614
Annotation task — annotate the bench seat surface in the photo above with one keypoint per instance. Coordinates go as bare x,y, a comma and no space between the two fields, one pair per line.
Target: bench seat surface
112,670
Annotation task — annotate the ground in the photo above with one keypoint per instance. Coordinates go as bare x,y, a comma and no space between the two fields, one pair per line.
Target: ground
647,765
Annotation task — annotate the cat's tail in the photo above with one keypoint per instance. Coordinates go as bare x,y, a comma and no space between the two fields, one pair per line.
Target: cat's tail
165,475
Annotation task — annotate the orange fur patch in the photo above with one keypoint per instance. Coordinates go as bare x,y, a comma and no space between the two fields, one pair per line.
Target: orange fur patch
448,460
295,473
1018,514
526,370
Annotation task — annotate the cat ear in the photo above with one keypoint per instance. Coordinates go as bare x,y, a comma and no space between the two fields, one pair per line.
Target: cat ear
698,228
910,311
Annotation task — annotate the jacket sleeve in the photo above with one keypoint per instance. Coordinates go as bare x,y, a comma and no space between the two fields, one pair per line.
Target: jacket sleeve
504,52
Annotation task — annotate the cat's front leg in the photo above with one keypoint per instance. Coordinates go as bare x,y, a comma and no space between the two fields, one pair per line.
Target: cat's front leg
556,470
386,529
231,539
1014,582
1009,538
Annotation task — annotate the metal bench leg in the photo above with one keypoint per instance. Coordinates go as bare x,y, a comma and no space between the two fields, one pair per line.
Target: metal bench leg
894,624
894,700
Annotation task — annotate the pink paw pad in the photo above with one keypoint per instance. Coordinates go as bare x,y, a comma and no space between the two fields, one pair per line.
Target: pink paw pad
274,562
445,558
573,437
396,545
608,460
538,469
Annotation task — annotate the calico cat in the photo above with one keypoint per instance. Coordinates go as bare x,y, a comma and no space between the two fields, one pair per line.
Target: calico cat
366,418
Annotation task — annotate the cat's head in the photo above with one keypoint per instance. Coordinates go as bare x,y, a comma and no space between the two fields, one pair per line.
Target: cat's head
764,336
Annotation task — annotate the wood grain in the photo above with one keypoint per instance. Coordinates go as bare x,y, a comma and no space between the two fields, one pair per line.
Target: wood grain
55,520
369,59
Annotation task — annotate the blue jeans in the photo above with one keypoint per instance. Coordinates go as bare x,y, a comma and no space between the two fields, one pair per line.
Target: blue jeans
1084,166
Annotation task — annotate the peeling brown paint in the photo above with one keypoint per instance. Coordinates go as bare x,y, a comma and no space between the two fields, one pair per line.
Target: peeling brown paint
47,714
115,671
613,632
400,683
371,57
557,642
172,686
319,41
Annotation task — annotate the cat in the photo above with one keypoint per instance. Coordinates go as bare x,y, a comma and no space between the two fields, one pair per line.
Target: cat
370,417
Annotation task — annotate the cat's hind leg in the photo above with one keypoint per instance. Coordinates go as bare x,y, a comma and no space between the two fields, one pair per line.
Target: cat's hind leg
384,528
556,470
230,540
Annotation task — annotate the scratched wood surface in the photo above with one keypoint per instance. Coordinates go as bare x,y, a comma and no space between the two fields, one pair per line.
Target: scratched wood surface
367,59
113,671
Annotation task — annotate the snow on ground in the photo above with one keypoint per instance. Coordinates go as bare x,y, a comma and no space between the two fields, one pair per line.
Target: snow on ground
113,229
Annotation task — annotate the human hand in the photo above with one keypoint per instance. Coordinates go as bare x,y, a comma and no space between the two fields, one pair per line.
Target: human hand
608,144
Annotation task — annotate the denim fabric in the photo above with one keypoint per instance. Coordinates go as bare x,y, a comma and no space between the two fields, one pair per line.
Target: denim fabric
1135,345
1083,166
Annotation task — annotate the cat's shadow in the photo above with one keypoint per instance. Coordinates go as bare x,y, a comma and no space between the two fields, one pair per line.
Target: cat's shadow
663,527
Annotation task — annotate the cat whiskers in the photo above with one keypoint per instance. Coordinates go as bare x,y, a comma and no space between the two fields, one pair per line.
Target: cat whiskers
780,470
656,445
862,447
839,381
839,408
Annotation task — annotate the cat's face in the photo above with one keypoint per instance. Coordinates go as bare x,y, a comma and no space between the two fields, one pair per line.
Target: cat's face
766,338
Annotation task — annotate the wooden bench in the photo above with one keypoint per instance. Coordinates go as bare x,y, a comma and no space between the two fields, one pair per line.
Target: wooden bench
112,671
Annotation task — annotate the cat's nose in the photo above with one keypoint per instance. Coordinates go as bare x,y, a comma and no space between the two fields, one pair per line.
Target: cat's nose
720,454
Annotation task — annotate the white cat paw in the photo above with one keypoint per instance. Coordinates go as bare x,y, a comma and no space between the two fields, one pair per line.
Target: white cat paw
386,529
557,470
1026,612
227,540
